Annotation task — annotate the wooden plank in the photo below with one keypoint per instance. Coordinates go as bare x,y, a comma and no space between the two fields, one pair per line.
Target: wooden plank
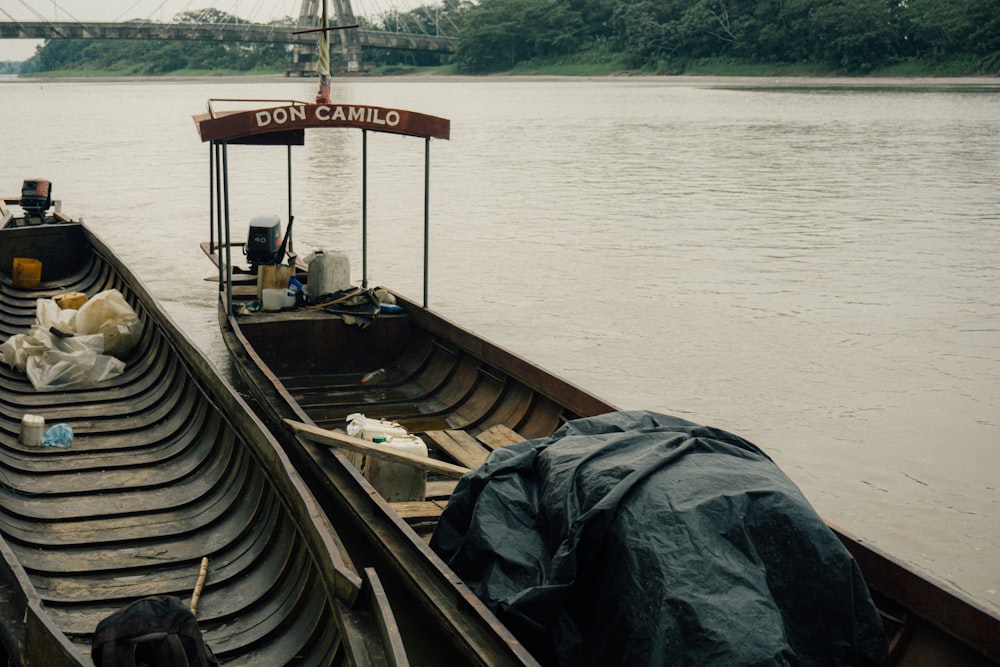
273,277
499,436
246,291
460,446
428,509
440,489
386,620
340,439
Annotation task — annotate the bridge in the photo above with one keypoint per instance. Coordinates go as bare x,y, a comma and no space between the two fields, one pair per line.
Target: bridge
346,42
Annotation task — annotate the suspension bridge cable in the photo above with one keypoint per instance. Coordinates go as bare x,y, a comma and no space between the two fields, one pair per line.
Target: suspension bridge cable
32,10
122,15
63,10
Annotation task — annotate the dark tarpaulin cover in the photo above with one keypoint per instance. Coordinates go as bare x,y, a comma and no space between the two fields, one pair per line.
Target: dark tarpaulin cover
636,538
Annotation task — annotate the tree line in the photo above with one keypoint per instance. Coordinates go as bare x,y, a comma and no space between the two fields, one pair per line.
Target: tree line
658,36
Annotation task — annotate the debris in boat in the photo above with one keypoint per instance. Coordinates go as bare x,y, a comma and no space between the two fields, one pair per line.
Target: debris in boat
59,435
26,272
32,430
642,539
109,314
69,347
247,308
373,377
196,595
357,305
155,630
70,300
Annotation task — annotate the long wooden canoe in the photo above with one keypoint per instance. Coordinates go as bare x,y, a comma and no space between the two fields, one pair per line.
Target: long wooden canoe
167,466
464,396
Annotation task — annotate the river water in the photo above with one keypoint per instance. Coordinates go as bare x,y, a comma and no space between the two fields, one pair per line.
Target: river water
813,265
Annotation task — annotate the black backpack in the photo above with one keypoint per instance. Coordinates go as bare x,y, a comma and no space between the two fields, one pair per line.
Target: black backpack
158,631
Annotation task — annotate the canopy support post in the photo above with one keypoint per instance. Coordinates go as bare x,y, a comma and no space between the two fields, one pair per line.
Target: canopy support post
288,229
229,258
427,227
364,208
211,196
217,182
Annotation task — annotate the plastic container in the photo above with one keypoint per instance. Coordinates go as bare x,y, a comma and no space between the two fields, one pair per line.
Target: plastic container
26,273
32,430
362,427
329,272
368,429
276,299
398,482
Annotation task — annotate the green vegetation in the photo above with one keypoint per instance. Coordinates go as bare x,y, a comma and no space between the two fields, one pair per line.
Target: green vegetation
600,37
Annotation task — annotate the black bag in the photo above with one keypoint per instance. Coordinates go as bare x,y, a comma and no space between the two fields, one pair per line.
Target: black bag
158,631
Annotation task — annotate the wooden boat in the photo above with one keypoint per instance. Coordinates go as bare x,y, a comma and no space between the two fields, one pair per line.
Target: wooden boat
464,396
167,466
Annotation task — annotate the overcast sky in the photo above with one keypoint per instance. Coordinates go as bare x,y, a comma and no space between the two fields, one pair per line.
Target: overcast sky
157,10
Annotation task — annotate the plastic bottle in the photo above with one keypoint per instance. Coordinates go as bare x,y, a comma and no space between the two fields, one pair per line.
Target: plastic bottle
32,428
374,377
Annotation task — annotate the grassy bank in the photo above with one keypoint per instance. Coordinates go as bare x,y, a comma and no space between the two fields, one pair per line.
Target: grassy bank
594,65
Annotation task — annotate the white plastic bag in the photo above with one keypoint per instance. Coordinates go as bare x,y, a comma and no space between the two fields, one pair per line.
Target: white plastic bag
109,314
49,314
105,326
52,362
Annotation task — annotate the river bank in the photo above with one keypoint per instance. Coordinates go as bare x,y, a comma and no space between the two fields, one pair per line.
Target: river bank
439,77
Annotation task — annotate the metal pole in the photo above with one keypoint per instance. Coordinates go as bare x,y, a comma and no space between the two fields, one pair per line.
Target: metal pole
364,208
291,246
218,212
229,263
211,196
427,215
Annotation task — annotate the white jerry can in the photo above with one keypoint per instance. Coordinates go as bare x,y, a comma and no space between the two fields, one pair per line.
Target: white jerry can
398,482
329,272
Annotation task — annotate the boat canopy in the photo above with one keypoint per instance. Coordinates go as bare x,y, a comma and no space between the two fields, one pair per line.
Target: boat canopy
286,123
283,123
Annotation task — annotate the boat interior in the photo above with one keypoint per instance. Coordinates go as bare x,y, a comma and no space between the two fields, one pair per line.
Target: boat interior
166,467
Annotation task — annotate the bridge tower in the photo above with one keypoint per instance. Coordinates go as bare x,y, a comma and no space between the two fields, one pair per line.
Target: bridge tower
345,42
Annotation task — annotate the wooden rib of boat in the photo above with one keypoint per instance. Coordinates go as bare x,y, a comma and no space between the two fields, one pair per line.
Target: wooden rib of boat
167,466
465,396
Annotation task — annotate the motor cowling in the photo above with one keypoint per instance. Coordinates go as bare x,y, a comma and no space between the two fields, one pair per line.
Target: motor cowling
36,197
264,241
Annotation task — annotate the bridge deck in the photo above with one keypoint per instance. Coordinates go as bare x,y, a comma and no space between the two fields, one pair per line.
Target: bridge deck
219,32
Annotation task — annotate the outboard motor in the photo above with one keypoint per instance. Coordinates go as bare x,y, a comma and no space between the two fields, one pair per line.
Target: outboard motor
36,197
264,244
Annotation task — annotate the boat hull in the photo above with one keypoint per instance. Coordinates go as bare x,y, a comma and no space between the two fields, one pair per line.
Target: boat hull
441,620
439,378
167,466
